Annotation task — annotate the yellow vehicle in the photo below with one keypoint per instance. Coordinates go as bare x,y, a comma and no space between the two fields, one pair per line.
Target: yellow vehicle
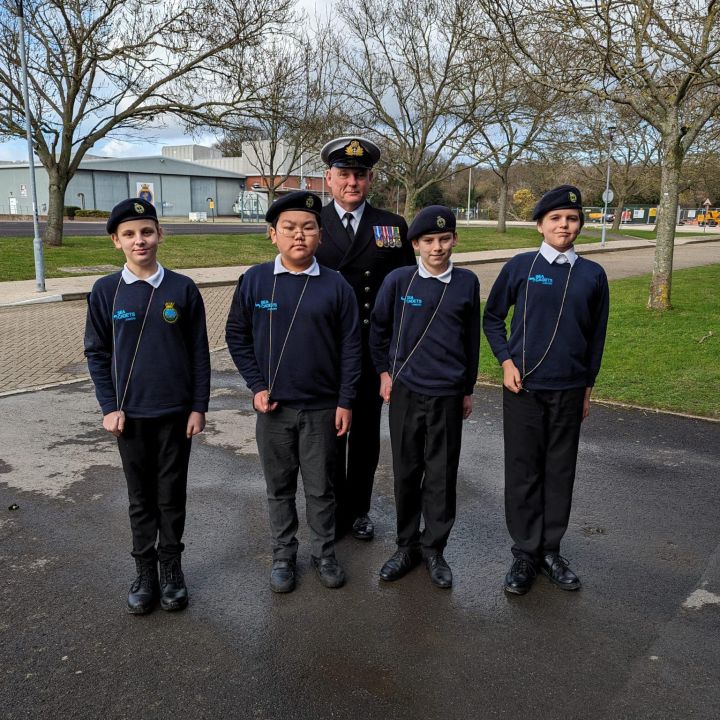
713,218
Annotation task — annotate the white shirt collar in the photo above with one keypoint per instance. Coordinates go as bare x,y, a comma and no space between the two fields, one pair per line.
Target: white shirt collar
279,268
155,279
443,277
356,213
551,254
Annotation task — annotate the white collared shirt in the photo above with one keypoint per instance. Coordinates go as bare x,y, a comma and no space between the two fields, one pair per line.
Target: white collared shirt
444,277
279,268
356,214
155,279
552,255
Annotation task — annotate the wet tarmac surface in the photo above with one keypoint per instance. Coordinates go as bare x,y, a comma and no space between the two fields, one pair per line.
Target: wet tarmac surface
638,641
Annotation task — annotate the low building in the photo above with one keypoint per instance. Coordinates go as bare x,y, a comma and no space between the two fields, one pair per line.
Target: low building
176,187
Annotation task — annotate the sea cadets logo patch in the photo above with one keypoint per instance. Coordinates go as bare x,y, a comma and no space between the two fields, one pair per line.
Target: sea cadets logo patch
169,313
440,221
411,300
572,196
266,305
124,315
309,201
139,209
387,236
354,149
540,279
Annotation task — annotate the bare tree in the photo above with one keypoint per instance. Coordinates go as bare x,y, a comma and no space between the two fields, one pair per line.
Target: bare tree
521,116
634,151
99,67
408,82
293,109
657,57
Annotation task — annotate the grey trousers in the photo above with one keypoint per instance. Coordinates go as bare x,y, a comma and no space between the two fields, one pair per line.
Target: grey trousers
291,440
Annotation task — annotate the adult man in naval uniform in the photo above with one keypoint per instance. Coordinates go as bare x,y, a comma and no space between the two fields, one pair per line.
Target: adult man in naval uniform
364,244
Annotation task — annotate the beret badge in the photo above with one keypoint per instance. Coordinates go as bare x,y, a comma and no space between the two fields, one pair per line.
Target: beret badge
139,209
354,149
573,197
309,202
440,221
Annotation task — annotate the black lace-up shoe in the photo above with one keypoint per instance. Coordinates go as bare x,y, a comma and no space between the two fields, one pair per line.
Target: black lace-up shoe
399,564
282,575
329,571
440,572
520,577
363,528
173,592
557,569
145,589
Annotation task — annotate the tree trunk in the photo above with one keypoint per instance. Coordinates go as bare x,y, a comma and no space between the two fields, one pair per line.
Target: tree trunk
54,228
502,203
660,287
411,203
617,212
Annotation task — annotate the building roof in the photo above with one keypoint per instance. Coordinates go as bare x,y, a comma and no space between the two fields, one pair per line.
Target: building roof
155,164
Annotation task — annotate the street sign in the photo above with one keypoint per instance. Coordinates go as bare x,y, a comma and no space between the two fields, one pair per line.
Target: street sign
608,196
707,203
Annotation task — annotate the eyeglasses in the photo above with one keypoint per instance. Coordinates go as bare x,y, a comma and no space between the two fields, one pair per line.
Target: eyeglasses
292,232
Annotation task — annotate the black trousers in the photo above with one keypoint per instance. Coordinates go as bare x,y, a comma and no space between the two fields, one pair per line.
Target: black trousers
542,431
358,452
291,440
155,454
426,433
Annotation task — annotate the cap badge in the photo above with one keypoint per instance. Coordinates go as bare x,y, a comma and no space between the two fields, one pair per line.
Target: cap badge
440,221
309,201
354,149
572,196
139,209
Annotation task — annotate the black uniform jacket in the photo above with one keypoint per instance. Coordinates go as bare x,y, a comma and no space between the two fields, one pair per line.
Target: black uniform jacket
363,264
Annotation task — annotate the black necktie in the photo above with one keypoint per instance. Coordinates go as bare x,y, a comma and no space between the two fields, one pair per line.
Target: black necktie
348,226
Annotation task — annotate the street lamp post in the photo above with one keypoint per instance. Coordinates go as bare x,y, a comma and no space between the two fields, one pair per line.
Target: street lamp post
37,241
608,194
469,190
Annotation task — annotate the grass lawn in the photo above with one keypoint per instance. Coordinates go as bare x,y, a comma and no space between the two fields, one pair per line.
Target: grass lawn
193,251
660,360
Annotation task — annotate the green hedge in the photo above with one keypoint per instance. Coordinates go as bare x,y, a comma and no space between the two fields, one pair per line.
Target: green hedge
92,213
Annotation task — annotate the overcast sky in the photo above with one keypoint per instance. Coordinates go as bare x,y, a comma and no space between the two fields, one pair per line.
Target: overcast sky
172,134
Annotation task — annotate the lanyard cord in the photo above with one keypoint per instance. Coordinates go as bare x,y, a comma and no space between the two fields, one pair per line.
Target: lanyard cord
119,402
271,377
557,324
427,327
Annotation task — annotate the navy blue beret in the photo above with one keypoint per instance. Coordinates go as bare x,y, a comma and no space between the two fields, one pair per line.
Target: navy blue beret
350,152
298,200
130,209
563,197
430,220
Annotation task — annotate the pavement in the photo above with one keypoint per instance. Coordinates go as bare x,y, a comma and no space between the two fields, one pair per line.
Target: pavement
638,641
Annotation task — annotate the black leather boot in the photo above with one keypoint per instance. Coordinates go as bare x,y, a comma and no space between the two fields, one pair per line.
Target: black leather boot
173,591
145,590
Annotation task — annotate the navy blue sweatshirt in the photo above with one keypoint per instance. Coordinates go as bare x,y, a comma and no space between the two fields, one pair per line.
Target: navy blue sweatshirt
446,361
172,367
321,363
574,358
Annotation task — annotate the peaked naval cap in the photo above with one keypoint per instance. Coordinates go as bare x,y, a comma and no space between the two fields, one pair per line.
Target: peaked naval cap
350,152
